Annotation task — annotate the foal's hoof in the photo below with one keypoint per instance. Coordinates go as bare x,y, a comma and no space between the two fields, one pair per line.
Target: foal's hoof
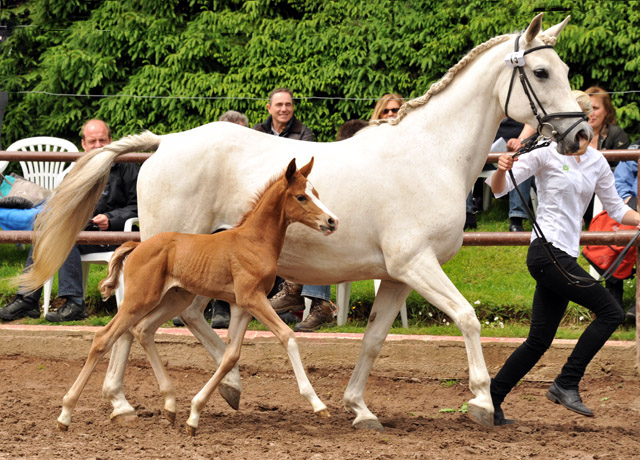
230,394
369,425
480,415
125,418
171,416
62,427
324,413
191,431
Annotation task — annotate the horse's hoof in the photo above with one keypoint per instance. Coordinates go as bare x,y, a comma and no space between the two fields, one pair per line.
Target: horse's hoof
125,418
480,415
62,426
171,416
324,413
230,394
191,431
369,425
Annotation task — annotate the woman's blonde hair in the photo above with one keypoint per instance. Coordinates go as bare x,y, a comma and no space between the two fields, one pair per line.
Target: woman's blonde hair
584,101
382,103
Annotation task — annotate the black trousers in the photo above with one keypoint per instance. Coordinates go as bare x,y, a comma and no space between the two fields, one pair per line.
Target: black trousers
552,295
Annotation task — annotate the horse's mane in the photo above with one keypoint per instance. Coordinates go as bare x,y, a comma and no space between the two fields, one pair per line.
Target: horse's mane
441,84
253,202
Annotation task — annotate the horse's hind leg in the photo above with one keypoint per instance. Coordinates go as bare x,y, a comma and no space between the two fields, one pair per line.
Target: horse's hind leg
144,331
237,327
102,342
267,316
112,388
231,387
427,277
385,309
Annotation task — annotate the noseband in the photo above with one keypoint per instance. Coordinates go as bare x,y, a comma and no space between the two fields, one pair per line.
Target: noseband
545,129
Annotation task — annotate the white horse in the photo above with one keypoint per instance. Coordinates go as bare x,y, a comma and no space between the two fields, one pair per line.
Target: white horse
399,188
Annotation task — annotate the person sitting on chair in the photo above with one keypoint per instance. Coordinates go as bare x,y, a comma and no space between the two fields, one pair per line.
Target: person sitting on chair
117,203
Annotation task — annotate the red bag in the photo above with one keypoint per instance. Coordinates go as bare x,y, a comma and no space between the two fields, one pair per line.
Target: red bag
601,257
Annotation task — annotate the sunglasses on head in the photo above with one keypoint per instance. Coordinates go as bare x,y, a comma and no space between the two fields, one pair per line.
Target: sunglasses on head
394,110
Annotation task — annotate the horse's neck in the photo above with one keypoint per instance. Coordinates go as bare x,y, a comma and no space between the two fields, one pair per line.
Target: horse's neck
266,223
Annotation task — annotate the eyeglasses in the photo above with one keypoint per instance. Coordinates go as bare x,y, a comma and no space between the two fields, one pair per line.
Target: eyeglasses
394,110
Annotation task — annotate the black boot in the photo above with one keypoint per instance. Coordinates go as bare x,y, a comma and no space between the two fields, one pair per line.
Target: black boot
20,307
68,311
221,315
568,398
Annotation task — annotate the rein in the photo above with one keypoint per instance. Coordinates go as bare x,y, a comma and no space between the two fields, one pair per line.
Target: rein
546,131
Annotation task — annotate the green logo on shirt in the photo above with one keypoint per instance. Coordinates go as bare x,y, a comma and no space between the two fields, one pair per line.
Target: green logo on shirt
565,167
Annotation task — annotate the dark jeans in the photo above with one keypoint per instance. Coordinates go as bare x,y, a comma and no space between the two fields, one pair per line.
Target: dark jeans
550,300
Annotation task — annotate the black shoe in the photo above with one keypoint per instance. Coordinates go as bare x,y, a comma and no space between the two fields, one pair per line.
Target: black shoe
289,317
221,315
18,308
516,228
631,313
177,322
68,311
498,417
470,222
208,311
569,399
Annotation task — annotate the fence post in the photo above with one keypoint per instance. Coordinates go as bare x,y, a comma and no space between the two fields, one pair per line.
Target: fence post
637,291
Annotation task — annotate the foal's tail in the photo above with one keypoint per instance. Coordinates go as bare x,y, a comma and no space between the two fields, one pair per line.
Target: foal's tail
110,283
72,205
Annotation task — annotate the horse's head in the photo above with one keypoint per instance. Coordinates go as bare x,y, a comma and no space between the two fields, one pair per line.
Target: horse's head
536,91
302,203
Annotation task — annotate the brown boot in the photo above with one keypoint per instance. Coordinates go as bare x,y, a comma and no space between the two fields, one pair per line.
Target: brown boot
321,314
288,298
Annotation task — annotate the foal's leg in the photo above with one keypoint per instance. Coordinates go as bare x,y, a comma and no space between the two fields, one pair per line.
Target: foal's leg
385,309
267,316
231,387
102,342
144,331
237,327
112,388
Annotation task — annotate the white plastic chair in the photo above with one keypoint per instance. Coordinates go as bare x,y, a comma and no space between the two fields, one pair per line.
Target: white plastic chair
343,294
100,258
44,173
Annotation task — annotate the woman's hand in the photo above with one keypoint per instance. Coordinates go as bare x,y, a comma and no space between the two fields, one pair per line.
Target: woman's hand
505,162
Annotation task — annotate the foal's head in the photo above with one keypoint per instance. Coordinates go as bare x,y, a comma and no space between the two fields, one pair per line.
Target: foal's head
302,203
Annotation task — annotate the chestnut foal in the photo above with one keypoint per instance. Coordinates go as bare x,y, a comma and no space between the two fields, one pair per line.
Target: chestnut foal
164,273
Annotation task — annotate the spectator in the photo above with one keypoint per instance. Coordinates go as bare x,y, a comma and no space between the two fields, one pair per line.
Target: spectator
387,106
564,190
351,127
117,203
281,121
234,117
606,133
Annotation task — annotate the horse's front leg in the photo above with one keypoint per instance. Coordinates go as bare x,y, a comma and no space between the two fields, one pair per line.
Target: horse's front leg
385,309
426,276
237,327
231,387
267,316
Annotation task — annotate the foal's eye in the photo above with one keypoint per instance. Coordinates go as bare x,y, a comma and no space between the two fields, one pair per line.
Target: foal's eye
541,73
301,198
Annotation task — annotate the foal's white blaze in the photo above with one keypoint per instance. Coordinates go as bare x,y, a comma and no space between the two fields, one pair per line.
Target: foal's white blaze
309,192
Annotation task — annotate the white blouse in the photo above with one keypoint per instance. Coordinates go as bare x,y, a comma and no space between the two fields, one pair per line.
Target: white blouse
565,187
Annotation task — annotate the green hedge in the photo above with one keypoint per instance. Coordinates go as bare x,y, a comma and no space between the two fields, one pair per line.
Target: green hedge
176,64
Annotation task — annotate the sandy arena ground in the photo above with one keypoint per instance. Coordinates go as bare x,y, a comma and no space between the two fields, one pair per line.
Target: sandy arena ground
416,389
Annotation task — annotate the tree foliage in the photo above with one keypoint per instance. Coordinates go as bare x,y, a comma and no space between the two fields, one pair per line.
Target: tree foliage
175,64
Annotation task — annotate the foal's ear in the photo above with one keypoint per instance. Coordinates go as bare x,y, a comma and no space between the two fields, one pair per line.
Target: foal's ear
291,170
306,169
534,29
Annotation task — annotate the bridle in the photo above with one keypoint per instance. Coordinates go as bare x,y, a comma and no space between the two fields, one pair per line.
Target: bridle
542,138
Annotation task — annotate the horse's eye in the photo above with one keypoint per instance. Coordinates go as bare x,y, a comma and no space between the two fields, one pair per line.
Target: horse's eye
301,198
541,73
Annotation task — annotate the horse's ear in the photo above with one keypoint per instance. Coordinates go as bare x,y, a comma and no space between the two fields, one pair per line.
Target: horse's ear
306,169
534,29
555,30
291,170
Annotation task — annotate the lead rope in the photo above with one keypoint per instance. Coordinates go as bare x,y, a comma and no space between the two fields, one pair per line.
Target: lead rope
579,281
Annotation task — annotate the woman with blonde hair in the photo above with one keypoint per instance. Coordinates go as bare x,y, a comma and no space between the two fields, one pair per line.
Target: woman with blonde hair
606,133
387,106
